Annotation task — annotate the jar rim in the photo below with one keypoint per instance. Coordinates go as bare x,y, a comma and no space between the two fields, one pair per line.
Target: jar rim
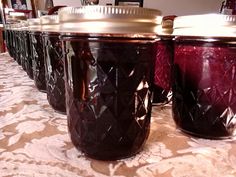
217,25
112,19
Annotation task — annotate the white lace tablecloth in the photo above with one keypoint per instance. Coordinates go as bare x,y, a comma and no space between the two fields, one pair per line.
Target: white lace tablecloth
34,141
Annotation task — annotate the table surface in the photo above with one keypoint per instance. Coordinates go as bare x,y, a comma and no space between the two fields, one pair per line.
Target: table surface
34,141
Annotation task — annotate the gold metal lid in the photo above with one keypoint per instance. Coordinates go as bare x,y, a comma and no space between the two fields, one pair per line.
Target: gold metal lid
50,23
207,25
34,24
167,25
109,20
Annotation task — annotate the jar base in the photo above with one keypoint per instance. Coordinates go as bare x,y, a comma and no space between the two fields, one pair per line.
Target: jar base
111,158
196,135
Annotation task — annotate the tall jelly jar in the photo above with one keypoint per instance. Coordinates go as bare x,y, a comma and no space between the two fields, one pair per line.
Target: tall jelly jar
204,87
22,43
109,67
14,28
54,70
16,42
28,50
163,63
37,54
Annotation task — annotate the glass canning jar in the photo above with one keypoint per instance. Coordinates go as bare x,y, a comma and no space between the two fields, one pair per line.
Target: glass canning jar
37,54
109,67
13,27
54,71
7,32
204,84
28,51
22,42
163,63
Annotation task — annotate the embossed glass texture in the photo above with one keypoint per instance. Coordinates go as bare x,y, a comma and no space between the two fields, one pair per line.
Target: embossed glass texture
162,78
38,61
204,88
108,94
54,71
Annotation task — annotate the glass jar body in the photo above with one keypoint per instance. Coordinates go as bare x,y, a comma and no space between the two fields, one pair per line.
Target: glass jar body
108,94
163,69
38,60
204,84
28,54
54,71
22,41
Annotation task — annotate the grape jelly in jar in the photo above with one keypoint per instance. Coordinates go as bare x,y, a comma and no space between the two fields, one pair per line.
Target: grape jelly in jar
37,54
109,76
54,71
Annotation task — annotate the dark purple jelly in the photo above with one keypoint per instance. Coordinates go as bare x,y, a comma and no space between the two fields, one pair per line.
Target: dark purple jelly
28,55
162,78
7,33
18,46
204,88
108,90
22,49
54,71
38,61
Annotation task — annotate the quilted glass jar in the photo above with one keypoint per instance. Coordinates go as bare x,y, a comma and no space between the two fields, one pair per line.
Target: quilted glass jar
13,28
27,51
37,54
163,63
109,69
22,43
54,71
204,87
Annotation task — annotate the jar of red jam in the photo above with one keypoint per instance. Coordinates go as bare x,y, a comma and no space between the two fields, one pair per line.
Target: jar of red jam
109,67
54,62
163,63
204,84
37,54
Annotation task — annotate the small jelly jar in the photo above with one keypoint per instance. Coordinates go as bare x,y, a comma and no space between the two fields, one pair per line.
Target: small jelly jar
27,50
14,50
22,42
54,71
109,69
7,32
13,37
204,75
10,39
163,63
37,54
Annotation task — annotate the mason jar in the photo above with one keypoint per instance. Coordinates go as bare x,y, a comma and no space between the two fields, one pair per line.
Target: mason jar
109,68
54,70
22,43
163,63
28,50
37,54
13,39
204,84
7,31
